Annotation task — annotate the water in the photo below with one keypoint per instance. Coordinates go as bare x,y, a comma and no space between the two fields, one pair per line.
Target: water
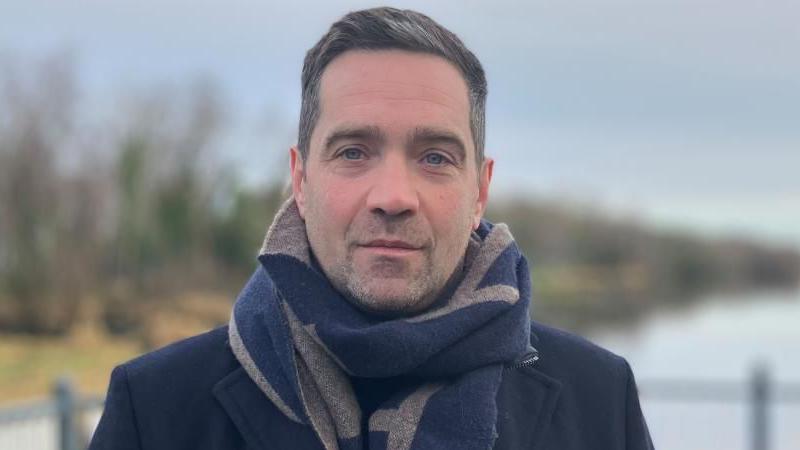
720,340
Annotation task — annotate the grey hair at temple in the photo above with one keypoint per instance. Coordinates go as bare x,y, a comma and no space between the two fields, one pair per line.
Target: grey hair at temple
391,29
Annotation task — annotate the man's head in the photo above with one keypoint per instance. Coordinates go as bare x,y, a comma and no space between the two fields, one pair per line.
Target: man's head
389,172
390,29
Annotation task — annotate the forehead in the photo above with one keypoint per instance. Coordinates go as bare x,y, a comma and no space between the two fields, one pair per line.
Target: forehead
403,71
393,89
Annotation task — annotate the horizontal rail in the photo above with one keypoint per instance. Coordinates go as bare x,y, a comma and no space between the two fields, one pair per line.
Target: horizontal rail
714,391
44,408
786,393
29,411
90,402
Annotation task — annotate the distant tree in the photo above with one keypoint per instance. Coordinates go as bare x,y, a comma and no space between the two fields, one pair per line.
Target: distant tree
36,121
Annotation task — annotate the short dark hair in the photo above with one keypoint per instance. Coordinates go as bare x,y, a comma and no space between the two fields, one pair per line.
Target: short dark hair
388,29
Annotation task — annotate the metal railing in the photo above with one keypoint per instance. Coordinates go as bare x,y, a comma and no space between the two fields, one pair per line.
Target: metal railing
759,393
56,423
59,423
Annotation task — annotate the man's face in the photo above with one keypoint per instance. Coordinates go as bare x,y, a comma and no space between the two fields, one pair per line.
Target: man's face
390,190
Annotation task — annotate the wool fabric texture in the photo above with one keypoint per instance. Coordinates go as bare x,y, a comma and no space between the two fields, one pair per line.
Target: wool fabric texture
300,340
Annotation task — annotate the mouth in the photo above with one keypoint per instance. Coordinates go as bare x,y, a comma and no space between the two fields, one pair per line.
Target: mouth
392,244
390,247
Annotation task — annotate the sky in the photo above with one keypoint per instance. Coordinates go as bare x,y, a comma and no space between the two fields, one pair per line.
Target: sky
683,113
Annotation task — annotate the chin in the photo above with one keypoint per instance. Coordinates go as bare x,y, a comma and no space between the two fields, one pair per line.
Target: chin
387,302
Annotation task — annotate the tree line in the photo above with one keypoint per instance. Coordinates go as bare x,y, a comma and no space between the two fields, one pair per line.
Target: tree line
125,211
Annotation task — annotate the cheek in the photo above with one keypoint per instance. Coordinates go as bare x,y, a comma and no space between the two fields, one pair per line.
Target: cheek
453,212
332,205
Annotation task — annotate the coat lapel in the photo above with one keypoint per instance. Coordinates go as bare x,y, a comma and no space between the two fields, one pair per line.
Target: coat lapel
260,423
526,401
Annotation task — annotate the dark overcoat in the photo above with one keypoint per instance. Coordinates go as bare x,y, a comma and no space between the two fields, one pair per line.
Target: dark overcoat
195,395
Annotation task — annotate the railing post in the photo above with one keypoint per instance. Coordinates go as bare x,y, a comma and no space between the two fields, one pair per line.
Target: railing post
65,405
760,393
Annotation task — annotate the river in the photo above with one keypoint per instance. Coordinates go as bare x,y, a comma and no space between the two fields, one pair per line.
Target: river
720,340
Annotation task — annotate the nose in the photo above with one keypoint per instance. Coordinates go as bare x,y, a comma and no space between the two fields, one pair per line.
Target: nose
393,192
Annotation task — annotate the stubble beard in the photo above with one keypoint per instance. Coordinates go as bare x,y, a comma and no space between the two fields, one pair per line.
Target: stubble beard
369,290
388,286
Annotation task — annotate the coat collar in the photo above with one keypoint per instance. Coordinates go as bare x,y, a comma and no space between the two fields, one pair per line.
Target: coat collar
258,420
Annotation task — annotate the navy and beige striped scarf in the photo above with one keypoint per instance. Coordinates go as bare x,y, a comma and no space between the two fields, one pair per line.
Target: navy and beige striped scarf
300,341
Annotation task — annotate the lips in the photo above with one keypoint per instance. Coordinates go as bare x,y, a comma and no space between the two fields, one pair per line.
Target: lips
396,244
391,248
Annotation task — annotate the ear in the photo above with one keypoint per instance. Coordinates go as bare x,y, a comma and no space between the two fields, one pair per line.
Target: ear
484,179
298,179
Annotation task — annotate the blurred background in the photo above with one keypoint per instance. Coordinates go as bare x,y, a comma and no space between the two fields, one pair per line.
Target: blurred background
647,157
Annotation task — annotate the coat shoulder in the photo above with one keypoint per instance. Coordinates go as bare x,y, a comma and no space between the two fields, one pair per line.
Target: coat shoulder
196,362
164,399
566,353
598,404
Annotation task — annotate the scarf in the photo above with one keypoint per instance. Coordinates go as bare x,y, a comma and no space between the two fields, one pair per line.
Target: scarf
299,340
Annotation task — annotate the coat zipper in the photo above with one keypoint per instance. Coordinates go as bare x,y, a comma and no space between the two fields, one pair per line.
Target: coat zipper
527,361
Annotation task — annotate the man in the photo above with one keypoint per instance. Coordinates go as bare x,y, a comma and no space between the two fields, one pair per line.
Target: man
384,314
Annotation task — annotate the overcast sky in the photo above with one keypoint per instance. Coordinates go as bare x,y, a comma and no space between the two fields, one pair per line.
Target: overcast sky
683,112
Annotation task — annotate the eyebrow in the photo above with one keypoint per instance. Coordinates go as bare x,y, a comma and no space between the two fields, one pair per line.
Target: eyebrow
427,135
367,132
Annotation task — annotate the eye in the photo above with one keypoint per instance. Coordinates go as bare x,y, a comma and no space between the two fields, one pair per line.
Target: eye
352,154
435,159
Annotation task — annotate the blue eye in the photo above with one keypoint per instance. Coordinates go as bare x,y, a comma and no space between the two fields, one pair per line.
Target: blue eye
352,154
435,159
